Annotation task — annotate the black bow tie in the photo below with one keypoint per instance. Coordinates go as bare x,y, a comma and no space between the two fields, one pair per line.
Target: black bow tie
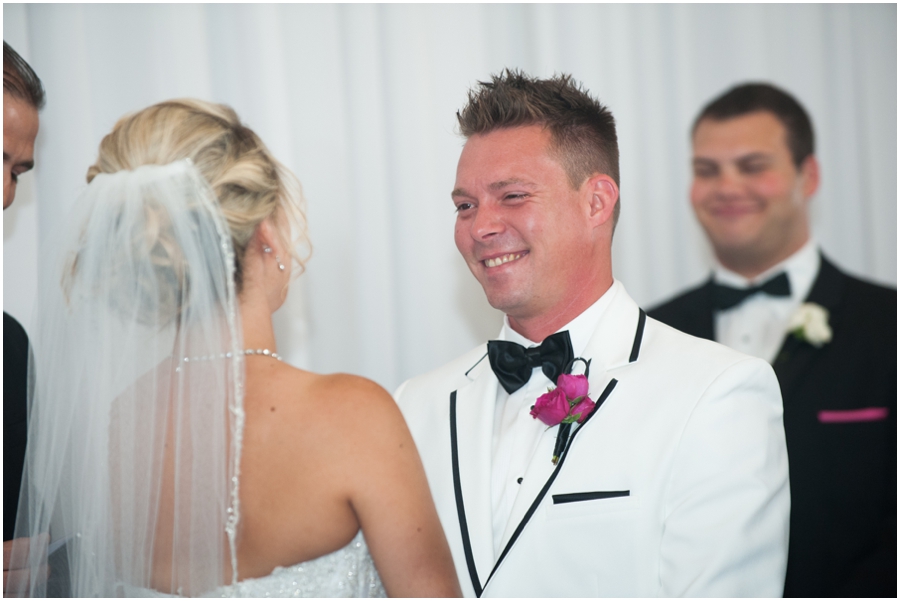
726,297
512,363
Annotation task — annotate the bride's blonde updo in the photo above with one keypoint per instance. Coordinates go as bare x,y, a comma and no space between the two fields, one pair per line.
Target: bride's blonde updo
249,183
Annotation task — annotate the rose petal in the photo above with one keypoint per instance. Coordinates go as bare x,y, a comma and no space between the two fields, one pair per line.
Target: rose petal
584,408
551,408
573,386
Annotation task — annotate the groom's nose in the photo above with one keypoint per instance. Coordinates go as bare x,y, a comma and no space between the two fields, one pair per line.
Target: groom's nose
488,221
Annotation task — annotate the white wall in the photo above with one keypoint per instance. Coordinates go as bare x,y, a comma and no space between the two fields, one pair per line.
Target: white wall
360,101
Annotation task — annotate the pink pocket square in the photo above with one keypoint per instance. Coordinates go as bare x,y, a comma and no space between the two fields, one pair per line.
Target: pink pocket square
847,416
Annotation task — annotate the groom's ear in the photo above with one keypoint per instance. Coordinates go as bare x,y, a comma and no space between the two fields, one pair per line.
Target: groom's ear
604,193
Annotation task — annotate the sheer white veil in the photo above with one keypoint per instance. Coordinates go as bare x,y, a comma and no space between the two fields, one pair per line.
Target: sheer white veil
135,411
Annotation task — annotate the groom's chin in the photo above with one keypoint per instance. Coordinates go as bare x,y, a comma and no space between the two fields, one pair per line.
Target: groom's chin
507,299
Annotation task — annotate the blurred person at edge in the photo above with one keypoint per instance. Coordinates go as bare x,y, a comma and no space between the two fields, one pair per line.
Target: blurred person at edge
831,338
23,97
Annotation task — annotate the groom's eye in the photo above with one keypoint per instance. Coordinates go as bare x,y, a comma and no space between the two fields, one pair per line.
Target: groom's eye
463,206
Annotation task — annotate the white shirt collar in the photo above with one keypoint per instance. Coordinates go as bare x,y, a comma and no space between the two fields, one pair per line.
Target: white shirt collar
801,269
580,329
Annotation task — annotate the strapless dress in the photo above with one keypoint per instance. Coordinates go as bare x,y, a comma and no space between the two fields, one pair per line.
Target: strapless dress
348,572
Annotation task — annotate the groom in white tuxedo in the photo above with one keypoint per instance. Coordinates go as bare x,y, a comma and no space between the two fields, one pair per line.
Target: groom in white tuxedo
673,479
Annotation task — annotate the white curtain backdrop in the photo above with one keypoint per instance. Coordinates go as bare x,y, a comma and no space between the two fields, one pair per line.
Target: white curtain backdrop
360,101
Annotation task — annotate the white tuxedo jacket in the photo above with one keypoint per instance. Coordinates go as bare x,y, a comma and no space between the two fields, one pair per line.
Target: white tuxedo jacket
676,485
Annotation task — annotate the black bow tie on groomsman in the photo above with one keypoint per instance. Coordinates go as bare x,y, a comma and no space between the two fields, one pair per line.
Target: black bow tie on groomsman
726,297
513,363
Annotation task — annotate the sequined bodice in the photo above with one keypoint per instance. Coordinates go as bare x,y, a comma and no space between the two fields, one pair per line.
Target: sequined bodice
348,572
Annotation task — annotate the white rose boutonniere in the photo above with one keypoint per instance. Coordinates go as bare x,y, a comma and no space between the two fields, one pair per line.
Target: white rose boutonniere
810,324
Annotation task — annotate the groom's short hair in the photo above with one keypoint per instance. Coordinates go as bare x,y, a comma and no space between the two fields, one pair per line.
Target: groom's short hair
583,131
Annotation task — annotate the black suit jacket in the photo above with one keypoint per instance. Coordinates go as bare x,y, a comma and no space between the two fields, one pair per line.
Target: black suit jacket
15,428
843,539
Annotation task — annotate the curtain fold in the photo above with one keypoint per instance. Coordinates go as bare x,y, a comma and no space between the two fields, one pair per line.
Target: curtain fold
360,101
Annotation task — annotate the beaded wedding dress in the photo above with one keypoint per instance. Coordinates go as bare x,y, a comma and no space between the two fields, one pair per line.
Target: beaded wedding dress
348,572
136,416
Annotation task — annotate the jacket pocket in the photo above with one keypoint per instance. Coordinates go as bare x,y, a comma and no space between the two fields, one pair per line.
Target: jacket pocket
589,496
591,506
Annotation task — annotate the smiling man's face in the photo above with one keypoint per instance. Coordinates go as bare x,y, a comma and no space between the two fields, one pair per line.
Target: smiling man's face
524,232
748,194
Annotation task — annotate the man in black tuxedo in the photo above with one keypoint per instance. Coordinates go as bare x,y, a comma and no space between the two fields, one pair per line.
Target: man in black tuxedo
754,175
23,96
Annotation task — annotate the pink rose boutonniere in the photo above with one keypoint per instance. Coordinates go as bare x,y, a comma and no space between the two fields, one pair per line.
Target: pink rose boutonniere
564,405
567,403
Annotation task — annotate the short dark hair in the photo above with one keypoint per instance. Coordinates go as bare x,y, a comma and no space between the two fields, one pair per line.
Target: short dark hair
754,97
583,131
20,80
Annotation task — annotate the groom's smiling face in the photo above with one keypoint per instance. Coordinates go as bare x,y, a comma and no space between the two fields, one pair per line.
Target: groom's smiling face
524,232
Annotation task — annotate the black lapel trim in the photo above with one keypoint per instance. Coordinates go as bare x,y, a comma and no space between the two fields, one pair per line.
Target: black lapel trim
460,507
476,365
537,501
638,337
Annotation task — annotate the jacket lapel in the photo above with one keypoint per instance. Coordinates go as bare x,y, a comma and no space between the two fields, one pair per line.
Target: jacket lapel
539,470
796,356
472,417
615,343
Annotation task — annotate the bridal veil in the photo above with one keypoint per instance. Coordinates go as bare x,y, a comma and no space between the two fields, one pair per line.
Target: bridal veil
135,414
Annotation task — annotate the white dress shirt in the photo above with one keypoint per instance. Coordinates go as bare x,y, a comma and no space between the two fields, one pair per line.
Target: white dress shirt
758,325
516,432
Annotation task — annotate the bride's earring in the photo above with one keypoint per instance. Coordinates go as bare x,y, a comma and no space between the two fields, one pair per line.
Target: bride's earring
267,250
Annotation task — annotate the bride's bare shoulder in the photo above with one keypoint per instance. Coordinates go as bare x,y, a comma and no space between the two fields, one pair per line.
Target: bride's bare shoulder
293,413
344,397
354,397
348,387
341,421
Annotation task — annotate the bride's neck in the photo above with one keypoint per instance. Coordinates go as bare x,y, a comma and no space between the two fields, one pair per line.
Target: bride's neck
256,321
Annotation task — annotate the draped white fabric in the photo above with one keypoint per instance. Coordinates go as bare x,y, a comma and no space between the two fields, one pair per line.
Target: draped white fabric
136,418
360,101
